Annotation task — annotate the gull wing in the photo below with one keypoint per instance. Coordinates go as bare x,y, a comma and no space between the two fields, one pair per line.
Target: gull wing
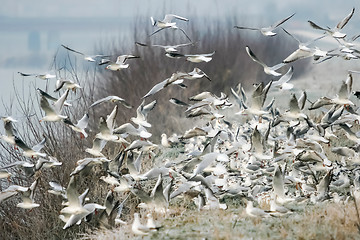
343,22
26,74
294,106
44,104
156,88
169,17
253,57
156,31
58,105
39,146
343,92
83,122
314,25
21,144
285,78
185,34
72,50
248,28
298,54
278,23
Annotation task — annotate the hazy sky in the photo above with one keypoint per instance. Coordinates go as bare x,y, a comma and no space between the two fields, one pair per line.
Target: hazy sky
84,23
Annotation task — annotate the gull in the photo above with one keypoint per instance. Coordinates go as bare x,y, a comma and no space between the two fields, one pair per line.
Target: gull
212,202
167,48
158,199
151,224
10,131
90,58
80,125
196,74
139,229
129,129
323,187
167,23
166,142
141,114
302,100
195,58
26,193
175,78
119,64
194,132
97,147
257,101
303,51
267,70
51,98
253,211
27,197
335,32
267,31
207,160
84,165
66,84
178,102
43,76
76,211
294,111
33,152
111,99
125,184
278,183
349,133
57,189
275,208
342,98
52,114
11,191
106,127
282,83
140,144
27,167
344,151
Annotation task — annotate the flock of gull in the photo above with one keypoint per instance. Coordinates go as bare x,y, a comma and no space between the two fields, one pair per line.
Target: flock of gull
274,159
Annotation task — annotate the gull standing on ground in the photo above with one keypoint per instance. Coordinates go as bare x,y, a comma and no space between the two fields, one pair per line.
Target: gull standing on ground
267,70
267,31
167,23
335,32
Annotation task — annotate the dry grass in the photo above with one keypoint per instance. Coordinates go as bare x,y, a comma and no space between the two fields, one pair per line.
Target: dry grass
323,221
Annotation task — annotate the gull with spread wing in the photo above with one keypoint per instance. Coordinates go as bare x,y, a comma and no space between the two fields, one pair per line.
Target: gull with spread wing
167,23
267,31
267,70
